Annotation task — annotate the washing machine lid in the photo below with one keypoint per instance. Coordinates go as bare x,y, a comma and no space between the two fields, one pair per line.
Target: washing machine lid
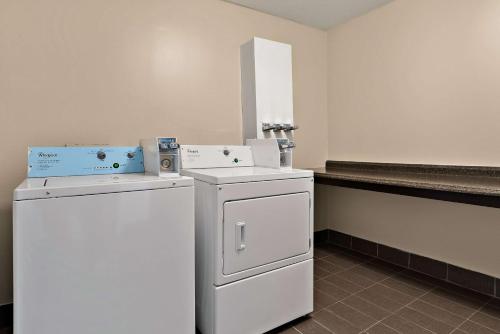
38,188
244,174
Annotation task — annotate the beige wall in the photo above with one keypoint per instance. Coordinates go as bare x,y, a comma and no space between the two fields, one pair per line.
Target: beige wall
464,235
417,82
93,71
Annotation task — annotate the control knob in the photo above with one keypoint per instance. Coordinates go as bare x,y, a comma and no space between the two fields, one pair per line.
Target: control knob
101,155
166,163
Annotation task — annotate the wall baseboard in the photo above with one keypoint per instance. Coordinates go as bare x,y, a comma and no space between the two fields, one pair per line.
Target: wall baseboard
321,236
6,315
443,271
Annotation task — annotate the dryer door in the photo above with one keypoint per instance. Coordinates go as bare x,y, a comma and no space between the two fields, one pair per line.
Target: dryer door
264,230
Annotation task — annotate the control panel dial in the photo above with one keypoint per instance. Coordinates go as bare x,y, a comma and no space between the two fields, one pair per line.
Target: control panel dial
166,163
101,155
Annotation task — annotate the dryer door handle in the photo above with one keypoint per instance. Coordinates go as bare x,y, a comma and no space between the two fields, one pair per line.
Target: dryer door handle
240,236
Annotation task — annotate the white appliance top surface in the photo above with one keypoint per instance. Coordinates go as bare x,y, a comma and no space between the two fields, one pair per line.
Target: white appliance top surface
48,187
244,174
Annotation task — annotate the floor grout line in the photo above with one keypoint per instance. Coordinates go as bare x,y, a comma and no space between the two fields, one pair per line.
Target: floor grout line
442,309
482,325
468,319
372,285
355,293
487,315
399,309
297,329
348,296
445,310
320,324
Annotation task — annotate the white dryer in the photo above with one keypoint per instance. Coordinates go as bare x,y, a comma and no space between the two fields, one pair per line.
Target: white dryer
254,230
107,254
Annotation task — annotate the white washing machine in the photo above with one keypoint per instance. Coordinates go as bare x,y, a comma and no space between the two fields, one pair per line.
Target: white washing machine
254,230
104,254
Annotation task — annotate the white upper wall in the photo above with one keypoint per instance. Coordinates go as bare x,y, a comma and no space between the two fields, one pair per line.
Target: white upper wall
417,82
322,14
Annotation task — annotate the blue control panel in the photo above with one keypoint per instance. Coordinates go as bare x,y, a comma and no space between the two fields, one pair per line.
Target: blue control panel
80,160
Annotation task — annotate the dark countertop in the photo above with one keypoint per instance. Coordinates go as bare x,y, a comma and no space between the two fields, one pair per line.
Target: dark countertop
466,180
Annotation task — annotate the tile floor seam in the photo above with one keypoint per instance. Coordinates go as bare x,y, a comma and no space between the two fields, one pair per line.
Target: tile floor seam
421,279
432,317
338,316
341,300
330,283
368,287
367,301
348,268
319,323
346,279
383,324
429,316
363,313
479,324
401,292
408,285
359,265
342,270
496,307
394,313
490,316
418,325
323,326
458,303
337,274
442,309
354,293
482,325
468,319
341,317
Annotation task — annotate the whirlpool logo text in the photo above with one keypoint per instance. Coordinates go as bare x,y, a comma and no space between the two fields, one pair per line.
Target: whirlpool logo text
47,155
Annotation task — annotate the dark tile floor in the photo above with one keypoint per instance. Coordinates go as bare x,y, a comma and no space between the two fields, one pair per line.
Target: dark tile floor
358,294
